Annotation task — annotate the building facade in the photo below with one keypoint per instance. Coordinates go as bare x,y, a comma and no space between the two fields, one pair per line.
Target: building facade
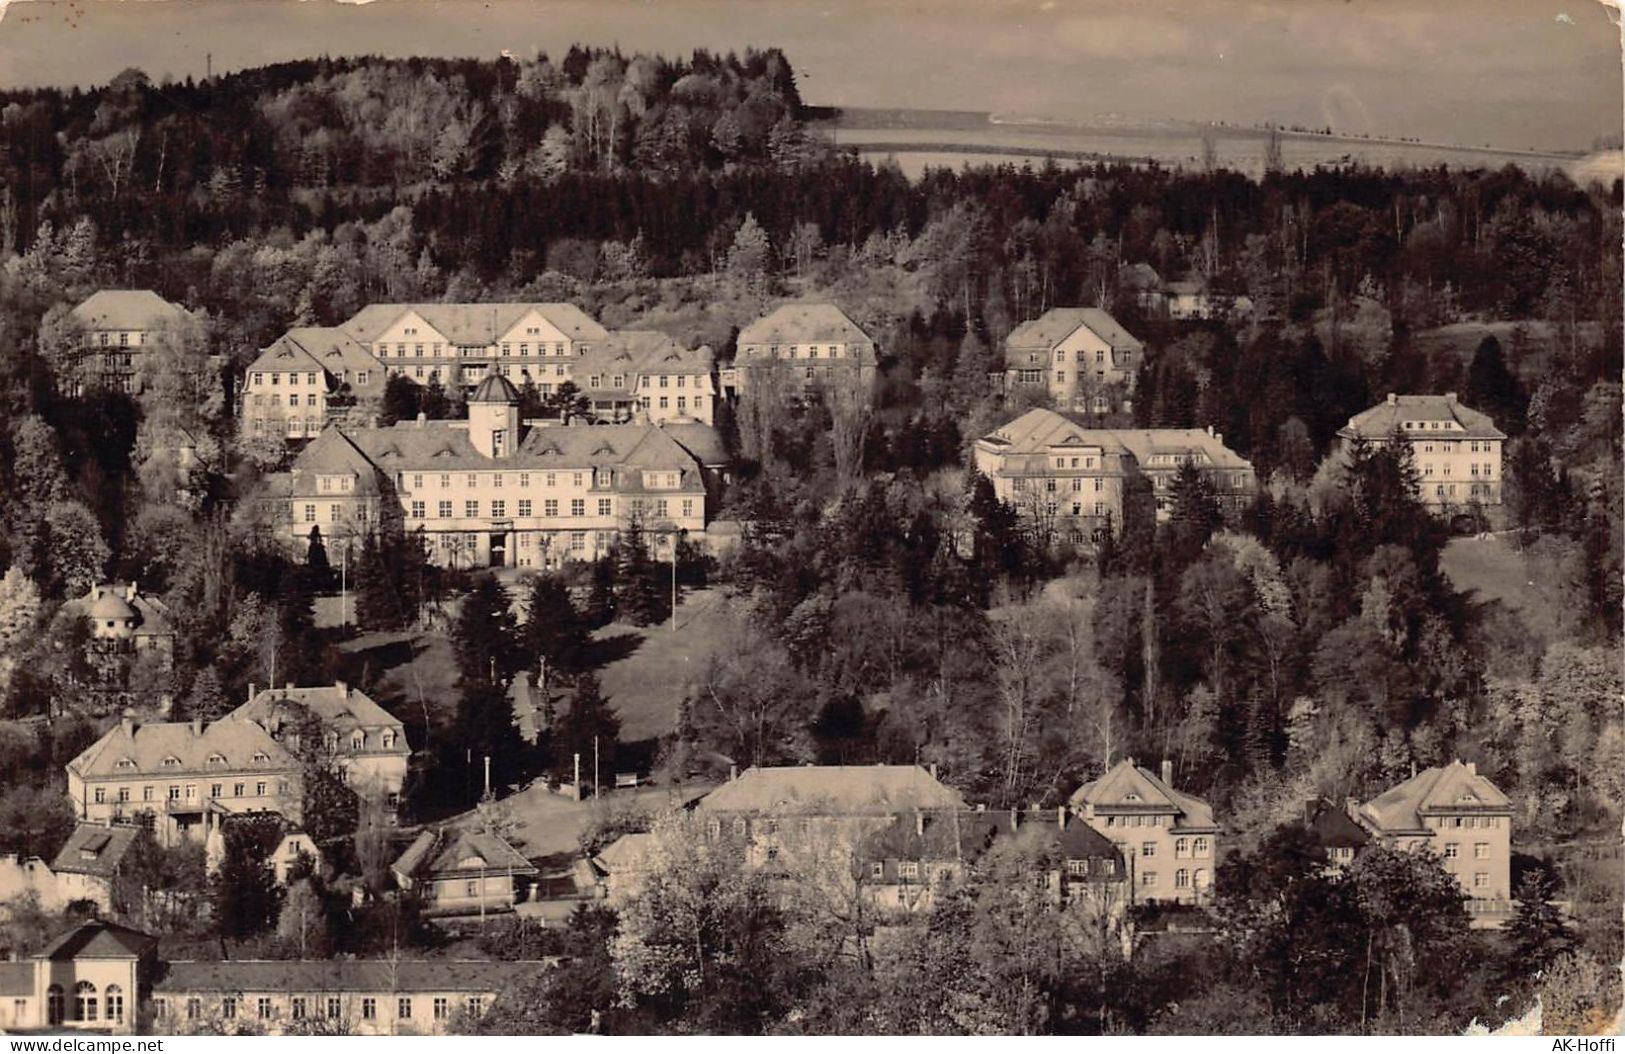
463,873
92,978
1464,820
1080,356
180,777
799,347
366,742
647,376
462,344
1457,450
117,325
495,491
307,378
1068,481
1169,840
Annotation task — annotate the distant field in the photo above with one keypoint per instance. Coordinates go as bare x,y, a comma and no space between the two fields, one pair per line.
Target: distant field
1239,149
1462,339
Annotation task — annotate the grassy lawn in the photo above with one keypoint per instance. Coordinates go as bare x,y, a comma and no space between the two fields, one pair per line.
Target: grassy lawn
547,827
1493,569
649,666
418,676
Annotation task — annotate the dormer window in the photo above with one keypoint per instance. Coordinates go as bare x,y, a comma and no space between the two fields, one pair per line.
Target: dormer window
358,741
172,762
389,738
261,758
124,763
217,759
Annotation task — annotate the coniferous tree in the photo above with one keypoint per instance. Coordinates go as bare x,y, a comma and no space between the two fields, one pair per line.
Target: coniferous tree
485,728
639,598
601,598
486,636
555,634
245,891
316,557
586,719
403,397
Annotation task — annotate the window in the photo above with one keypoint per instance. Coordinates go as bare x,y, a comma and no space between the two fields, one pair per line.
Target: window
1199,847
332,1008
1342,854
403,1008
115,1003
443,510
909,869
84,1001
578,506
1077,868
1450,851
442,1008
259,788
688,506
228,1007
215,790
101,795
877,870
1182,847
194,1008
146,793
54,1004
1148,849
605,506
1148,878
1481,879
1481,850
419,510
298,1008
471,508
499,509
310,514
369,1009
1182,879
550,507
475,1005
472,887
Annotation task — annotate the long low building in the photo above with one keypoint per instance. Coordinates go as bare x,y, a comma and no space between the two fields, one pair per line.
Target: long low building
496,491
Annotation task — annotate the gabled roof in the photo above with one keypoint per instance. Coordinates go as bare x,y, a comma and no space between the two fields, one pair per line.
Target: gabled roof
95,849
1039,430
442,854
121,600
803,324
243,745
16,980
333,453
1380,421
1446,789
326,348
361,976
629,852
1128,789
473,324
832,790
285,356
1059,323
97,939
339,707
701,440
1332,826
1140,277
1143,443
133,309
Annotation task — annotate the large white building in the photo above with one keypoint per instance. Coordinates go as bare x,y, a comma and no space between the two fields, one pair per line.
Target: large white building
306,378
803,346
1080,356
495,490
645,375
117,326
462,344
1457,450
366,742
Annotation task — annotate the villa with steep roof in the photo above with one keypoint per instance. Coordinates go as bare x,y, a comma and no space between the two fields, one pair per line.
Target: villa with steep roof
494,490
645,375
178,778
367,742
1169,839
117,324
805,346
460,873
1068,481
1457,450
462,344
1081,356
1462,818
309,376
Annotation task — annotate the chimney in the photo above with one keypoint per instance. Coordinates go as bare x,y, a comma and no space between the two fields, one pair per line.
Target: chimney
1472,768
197,726
932,769
733,773
919,822
1218,437
1167,772
287,688
126,722
1015,819
1060,817
1393,400
1352,807
1131,762
1450,397
423,418
344,689
1210,430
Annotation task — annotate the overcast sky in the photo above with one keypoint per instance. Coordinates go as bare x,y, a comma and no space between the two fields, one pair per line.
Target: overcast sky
1516,73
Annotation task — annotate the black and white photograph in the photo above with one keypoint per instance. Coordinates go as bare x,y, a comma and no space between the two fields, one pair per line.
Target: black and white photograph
811,518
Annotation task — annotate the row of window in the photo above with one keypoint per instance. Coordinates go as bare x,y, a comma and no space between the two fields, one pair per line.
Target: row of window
1488,468
832,351
87,1003
1486,822
188,791
1100,356
293,400
293,426
300,1007
1474,447
437,349
1431,426
1481,850
525,508
1183,848
1448,490
1183,878
602,477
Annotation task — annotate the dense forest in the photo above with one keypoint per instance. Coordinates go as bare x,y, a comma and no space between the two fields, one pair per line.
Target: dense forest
890,607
